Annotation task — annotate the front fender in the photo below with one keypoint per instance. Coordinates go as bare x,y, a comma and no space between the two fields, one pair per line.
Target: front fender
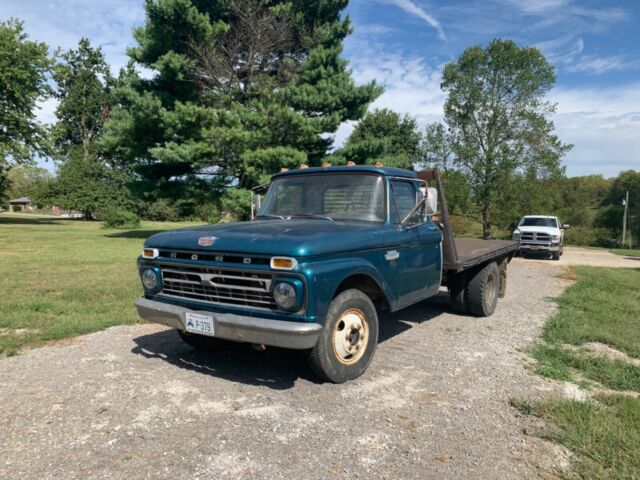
325,276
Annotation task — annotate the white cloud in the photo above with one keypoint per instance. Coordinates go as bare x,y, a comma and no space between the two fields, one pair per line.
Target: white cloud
567,52
562,50
410,7
539,7
61,23
373,29
598,65
556,9
411,85
603,125
46,110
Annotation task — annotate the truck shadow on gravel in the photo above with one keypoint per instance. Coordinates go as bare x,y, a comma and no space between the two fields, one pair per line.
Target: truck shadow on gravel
274,368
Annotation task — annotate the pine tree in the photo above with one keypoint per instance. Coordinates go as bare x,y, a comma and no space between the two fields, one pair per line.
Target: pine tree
240,89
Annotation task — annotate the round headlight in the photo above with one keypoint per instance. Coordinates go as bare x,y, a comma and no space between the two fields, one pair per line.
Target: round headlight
285,295
149,279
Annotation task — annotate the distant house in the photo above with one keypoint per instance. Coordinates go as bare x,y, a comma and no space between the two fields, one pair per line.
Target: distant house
22,204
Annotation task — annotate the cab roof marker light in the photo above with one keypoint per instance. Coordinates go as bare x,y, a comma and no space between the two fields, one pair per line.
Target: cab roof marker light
150,253
283,263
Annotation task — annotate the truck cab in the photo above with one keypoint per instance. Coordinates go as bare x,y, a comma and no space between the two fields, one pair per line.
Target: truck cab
328,249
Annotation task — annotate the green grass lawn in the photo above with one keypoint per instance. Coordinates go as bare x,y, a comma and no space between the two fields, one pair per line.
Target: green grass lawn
603,306
626,252
60,278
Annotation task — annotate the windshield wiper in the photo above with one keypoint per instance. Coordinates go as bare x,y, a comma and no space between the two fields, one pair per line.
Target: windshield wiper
312,215
279,217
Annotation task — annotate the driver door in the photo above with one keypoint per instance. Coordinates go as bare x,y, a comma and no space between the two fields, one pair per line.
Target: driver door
415,272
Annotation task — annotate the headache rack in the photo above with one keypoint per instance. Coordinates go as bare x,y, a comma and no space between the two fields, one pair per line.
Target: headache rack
460,254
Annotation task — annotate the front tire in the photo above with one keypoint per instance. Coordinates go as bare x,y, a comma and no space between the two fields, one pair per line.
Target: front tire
483,290
348,340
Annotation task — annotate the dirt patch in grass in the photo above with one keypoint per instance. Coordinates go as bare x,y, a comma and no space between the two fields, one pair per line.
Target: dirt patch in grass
605,351
593,344
604,434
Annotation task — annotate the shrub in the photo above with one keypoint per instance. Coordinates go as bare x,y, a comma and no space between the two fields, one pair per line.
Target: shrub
584,236
116,218
161,211
208,212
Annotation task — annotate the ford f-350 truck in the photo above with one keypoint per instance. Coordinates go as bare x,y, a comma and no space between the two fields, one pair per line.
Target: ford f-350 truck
329,248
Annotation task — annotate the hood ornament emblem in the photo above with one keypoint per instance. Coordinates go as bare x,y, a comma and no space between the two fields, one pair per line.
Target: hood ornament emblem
206,241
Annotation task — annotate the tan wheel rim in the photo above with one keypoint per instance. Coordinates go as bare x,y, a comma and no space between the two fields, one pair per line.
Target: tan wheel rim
490,289
350,336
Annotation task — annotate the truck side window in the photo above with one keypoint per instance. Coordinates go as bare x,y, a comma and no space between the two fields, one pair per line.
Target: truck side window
403,199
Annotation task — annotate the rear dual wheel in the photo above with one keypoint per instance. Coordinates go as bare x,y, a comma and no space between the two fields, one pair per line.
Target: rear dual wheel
479,295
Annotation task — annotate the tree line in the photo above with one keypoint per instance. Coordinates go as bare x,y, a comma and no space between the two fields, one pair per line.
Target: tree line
219,95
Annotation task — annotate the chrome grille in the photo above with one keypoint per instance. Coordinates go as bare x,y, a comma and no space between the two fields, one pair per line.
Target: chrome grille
535,237
216,285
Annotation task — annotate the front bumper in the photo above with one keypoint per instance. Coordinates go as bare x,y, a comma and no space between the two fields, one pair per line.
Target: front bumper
539,247
237,328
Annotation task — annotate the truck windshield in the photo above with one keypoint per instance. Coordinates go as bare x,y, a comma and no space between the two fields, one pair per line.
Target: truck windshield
539,222
331,196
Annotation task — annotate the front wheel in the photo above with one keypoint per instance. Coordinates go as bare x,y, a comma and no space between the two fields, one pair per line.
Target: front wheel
348,340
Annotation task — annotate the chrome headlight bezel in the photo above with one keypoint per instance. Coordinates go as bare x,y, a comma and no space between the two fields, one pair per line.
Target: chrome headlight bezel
150,279
285,295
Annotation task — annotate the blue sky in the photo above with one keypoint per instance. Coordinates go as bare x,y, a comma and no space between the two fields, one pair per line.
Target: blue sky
403,44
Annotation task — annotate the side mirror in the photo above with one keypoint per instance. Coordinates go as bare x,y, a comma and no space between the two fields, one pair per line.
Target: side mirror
256,203
565,226
432,201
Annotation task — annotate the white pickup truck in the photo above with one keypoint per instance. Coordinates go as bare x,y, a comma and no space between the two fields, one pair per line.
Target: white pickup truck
540,234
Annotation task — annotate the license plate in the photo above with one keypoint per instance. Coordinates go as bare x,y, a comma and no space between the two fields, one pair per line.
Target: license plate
201,324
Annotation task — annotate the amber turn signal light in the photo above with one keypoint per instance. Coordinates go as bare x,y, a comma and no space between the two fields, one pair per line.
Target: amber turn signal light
150,253
283,263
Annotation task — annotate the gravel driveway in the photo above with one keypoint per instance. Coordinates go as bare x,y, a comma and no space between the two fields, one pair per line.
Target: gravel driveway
597,258
135,402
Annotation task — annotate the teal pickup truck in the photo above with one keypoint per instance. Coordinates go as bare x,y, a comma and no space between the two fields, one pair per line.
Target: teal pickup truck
329,248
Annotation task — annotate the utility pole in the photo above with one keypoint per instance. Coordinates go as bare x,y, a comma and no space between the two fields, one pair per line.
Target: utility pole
624,218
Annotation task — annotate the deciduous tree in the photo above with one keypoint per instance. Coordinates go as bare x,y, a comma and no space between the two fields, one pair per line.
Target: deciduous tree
498,120
87,181
84,85
24,66
386,136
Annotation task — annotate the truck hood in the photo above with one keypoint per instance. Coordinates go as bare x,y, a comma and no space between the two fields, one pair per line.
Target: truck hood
548,230
295,238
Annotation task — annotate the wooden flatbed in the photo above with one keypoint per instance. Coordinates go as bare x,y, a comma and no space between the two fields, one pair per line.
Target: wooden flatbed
471,252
